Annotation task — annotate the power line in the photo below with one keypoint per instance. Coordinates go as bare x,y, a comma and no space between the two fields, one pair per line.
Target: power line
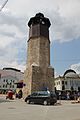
3,5
66,60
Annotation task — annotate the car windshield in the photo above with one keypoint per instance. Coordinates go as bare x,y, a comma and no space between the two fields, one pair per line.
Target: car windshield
34,94
43,93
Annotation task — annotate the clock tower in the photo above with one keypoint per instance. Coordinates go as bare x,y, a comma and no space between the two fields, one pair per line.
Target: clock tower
39,75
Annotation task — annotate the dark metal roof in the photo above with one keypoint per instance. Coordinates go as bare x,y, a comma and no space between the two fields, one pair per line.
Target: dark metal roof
39,19
68,71
12,69
69,74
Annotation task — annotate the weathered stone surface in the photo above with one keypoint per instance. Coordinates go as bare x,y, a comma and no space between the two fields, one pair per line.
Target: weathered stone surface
38,74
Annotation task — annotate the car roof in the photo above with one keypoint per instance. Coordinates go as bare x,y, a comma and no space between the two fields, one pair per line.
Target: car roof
41,92
45,92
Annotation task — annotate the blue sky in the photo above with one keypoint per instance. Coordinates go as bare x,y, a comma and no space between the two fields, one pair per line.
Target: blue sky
64,55
64,16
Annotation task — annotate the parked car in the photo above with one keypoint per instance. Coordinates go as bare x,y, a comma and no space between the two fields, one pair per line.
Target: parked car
42,97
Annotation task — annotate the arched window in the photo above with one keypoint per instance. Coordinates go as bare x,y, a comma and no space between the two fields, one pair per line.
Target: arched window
63,87
72,88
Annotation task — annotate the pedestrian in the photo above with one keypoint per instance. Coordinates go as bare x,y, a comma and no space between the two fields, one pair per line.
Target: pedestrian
60,97
68,96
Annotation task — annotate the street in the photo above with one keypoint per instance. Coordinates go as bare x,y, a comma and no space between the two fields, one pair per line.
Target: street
19,110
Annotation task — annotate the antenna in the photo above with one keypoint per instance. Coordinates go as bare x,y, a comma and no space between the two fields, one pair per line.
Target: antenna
3,5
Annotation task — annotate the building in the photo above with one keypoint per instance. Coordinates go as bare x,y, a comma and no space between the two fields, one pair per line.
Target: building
8,78
69,81
38,74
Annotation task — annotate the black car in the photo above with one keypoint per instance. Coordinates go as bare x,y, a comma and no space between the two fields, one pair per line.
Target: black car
42,97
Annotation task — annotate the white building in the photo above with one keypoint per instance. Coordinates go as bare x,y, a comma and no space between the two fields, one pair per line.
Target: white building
69,81
8,78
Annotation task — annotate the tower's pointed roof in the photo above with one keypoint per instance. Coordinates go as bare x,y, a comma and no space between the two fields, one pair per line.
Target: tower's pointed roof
39,19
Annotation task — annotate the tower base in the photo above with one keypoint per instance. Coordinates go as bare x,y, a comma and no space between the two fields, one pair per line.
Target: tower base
37,79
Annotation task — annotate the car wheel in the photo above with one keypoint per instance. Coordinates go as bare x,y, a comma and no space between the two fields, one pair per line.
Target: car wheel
52,103
45,102
28,101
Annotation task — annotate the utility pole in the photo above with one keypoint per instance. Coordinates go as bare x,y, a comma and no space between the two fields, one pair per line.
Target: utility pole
3,5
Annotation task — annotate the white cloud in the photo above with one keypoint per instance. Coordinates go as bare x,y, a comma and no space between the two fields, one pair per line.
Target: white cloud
12,39
4,41
13,64
76,67
12,23
13,55
63,14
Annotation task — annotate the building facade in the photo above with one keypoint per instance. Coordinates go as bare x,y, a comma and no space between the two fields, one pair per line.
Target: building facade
8,78
69,81
38,74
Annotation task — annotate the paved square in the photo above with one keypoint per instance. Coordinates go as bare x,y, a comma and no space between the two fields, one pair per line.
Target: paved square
19,110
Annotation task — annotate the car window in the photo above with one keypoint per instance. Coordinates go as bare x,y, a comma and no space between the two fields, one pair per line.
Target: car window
34,94
43,94
40,94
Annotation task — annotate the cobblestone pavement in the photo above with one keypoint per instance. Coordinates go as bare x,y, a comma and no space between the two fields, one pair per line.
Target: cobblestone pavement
19,110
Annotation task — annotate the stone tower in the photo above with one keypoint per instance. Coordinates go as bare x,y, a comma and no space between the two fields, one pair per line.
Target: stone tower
38,74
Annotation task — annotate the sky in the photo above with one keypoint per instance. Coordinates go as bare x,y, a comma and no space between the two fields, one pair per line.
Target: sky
64,16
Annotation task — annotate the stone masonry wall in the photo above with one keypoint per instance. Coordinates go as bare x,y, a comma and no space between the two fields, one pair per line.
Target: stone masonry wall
38,74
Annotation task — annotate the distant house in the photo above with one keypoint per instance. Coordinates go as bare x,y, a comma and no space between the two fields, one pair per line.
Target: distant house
69,81
8,78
